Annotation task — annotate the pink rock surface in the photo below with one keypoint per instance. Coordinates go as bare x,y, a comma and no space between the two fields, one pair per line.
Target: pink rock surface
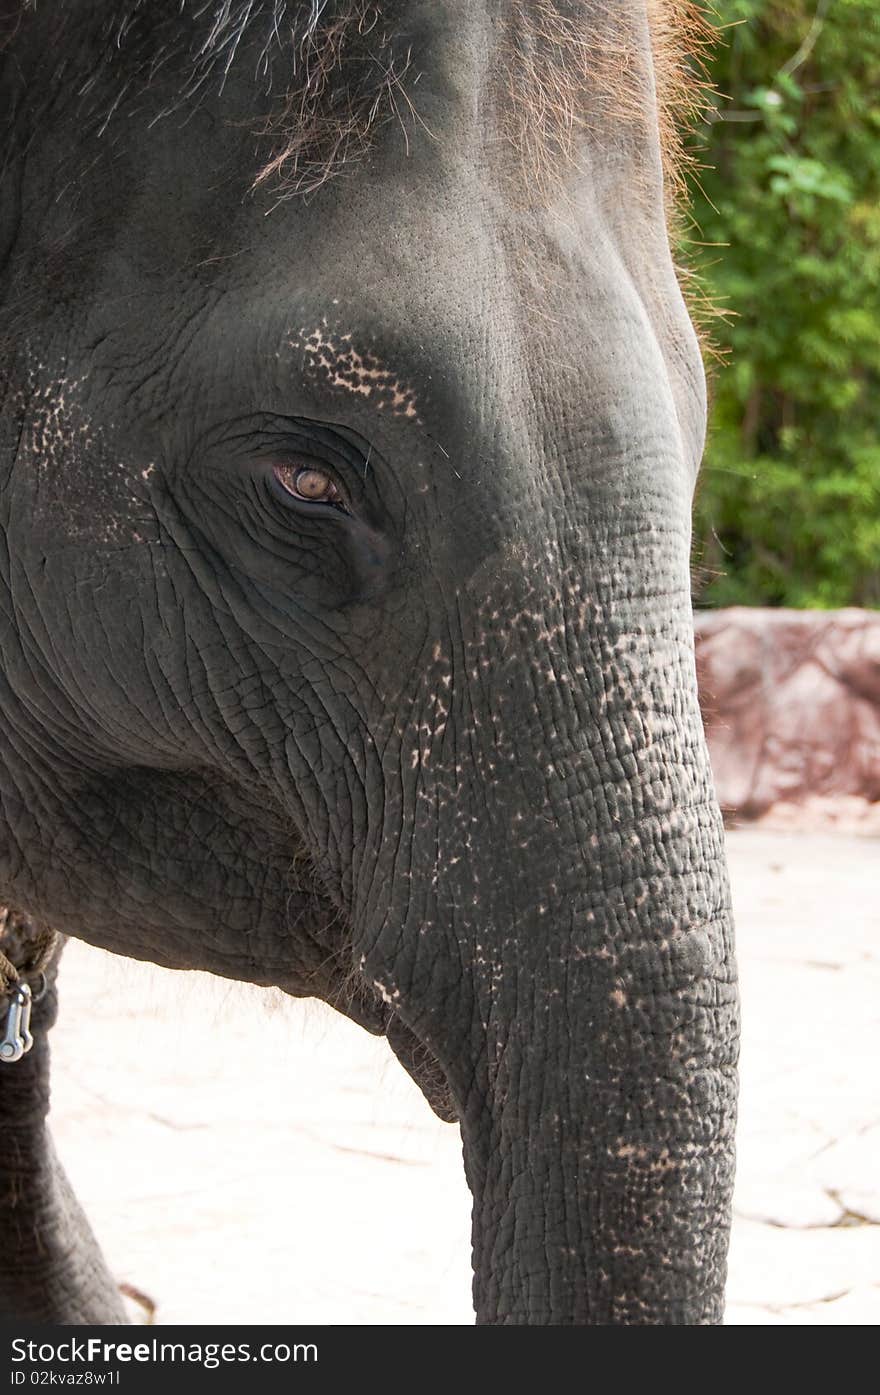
791,704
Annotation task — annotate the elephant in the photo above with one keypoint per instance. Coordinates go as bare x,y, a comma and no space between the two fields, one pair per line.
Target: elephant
352,413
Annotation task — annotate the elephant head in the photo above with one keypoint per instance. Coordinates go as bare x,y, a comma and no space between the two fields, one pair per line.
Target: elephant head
351,421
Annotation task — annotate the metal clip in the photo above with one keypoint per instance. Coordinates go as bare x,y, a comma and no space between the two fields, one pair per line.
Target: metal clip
17,1040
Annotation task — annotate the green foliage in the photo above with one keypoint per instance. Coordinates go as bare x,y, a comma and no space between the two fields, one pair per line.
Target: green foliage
788,209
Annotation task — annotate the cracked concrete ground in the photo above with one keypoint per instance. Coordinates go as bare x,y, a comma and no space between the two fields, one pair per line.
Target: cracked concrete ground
248,1159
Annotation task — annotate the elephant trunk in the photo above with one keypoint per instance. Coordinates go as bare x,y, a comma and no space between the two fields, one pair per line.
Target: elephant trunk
598,1114
571,969
598,1135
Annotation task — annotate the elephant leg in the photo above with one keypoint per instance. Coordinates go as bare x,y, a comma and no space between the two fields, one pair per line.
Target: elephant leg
52,1269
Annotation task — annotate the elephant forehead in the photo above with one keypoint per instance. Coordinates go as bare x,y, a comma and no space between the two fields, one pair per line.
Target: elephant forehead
333,359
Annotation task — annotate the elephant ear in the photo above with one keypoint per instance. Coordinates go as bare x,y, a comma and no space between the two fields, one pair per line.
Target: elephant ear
14,105
424,1068
14,19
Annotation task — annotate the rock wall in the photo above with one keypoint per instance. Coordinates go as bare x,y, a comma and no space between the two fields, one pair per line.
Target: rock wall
791,704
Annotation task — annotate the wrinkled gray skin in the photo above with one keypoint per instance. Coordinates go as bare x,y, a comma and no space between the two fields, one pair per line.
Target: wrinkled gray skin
437,758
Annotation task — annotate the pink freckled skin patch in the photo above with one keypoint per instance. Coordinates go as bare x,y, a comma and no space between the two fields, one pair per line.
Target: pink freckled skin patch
333,359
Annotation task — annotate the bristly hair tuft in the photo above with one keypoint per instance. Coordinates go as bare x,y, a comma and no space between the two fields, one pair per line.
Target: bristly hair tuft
564,81
348,78
336,71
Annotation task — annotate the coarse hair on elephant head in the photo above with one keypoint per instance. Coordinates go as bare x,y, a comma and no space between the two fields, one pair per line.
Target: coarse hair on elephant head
351,419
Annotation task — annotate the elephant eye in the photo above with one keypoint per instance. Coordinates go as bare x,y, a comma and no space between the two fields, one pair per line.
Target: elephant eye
309,483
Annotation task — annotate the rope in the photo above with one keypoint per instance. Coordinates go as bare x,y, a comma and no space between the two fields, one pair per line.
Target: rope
26,947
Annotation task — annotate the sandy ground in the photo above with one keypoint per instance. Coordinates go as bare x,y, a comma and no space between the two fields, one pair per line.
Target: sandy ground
247,1159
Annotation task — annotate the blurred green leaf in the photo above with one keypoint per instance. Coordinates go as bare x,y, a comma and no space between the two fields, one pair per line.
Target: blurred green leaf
788,510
